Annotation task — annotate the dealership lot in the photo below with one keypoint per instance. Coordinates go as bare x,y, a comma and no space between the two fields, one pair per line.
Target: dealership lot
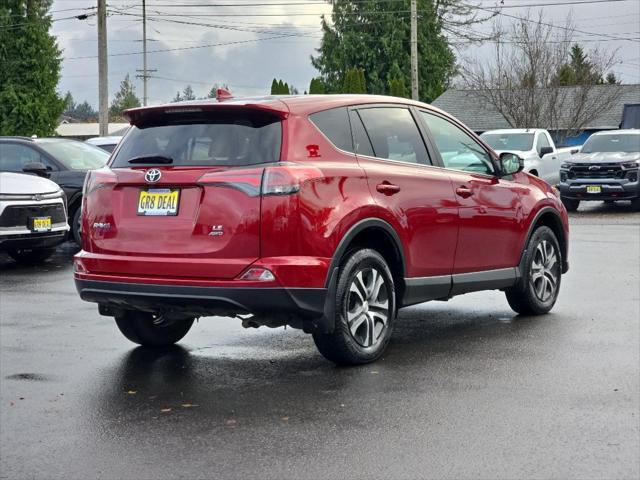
465,390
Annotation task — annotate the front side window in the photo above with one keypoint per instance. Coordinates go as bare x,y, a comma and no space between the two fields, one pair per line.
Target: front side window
13,157
543,141
394,134
458,150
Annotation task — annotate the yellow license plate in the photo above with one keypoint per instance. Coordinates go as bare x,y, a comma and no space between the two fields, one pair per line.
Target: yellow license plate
594,189
158,202
41,224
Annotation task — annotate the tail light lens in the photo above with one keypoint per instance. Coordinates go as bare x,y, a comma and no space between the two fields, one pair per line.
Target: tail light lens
96,179
286,180
247,181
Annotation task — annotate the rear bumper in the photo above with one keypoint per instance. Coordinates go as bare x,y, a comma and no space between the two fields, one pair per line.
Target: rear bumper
203,300
610,190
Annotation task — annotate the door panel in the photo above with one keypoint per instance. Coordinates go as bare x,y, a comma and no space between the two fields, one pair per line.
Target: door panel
419,196
489,207
490,220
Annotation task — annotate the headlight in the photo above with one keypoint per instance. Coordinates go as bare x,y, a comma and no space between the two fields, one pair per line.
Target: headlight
555,191
566,165
631,165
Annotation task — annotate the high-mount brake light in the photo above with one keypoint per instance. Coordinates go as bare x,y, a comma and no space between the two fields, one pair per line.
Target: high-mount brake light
286,180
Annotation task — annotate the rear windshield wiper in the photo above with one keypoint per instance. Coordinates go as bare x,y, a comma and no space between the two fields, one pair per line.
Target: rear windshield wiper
151,159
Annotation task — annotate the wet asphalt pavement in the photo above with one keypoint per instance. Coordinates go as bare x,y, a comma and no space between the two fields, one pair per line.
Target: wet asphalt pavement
467,389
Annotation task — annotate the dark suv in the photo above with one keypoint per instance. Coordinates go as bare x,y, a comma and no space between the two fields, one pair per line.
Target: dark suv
605,169
64,161
324,213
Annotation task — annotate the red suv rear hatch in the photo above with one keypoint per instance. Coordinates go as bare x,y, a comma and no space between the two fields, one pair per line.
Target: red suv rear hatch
181,197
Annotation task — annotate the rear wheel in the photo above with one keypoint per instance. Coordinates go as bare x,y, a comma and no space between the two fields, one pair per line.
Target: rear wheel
31,256
570,204
152,330
542,273
365,311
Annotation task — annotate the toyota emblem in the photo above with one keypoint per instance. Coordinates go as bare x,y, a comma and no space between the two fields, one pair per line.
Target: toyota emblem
153,175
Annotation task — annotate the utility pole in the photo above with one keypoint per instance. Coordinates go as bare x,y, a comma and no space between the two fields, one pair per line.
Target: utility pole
414,50
145,71
103,74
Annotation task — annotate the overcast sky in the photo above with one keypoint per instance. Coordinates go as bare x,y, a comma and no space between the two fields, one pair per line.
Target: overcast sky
200,58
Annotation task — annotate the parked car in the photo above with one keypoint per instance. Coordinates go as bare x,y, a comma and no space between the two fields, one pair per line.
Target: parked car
108,144
605,169
65,162
325,213
535,146
33,218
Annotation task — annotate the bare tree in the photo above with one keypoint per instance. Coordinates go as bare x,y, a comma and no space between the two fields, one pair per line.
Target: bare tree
522,81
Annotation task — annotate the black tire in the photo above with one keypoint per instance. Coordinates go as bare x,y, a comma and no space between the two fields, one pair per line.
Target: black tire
635,204
139,327
75,226
527,298
570,204
375,299
31,256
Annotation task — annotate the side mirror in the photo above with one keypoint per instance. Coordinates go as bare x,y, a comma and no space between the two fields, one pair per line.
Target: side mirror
574,151
545,150
36,168
510,163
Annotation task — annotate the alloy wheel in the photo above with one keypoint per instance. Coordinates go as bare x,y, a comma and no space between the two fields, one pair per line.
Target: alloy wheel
544,271
368,307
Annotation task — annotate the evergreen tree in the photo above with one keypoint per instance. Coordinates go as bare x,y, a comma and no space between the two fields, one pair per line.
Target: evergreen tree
187,93
124,98
316,86
274,87
373,36
177,98
354,81
579,70
29,69
397,88
285,89
612,79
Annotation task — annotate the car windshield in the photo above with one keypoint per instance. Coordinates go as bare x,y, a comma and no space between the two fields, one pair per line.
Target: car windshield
628,143
75,155
221,138
509,141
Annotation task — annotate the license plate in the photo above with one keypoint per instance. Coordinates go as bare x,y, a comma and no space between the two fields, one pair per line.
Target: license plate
41,224
594,189
158,202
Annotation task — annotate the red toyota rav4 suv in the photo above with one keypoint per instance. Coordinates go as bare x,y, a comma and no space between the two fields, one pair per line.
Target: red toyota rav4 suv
326,213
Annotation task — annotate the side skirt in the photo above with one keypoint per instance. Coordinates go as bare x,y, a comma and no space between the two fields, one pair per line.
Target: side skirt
443,287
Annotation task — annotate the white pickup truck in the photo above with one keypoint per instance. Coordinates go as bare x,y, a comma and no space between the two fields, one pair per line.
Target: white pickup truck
535,146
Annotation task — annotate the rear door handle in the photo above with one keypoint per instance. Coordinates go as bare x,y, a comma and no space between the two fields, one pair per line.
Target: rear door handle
464,191
387,188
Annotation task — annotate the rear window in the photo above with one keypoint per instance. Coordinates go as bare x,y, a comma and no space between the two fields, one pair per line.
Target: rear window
206,139
522,142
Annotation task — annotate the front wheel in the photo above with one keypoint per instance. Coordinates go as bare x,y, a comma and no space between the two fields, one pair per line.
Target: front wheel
570,204
152,330
365,311
540,285
31,256
75,226
635,204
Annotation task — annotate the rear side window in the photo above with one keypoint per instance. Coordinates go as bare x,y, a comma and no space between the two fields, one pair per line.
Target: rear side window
334,124
361,140
225,138
394,134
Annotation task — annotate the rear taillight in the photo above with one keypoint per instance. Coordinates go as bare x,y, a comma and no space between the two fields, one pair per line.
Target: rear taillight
95,179
247,181
286,180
